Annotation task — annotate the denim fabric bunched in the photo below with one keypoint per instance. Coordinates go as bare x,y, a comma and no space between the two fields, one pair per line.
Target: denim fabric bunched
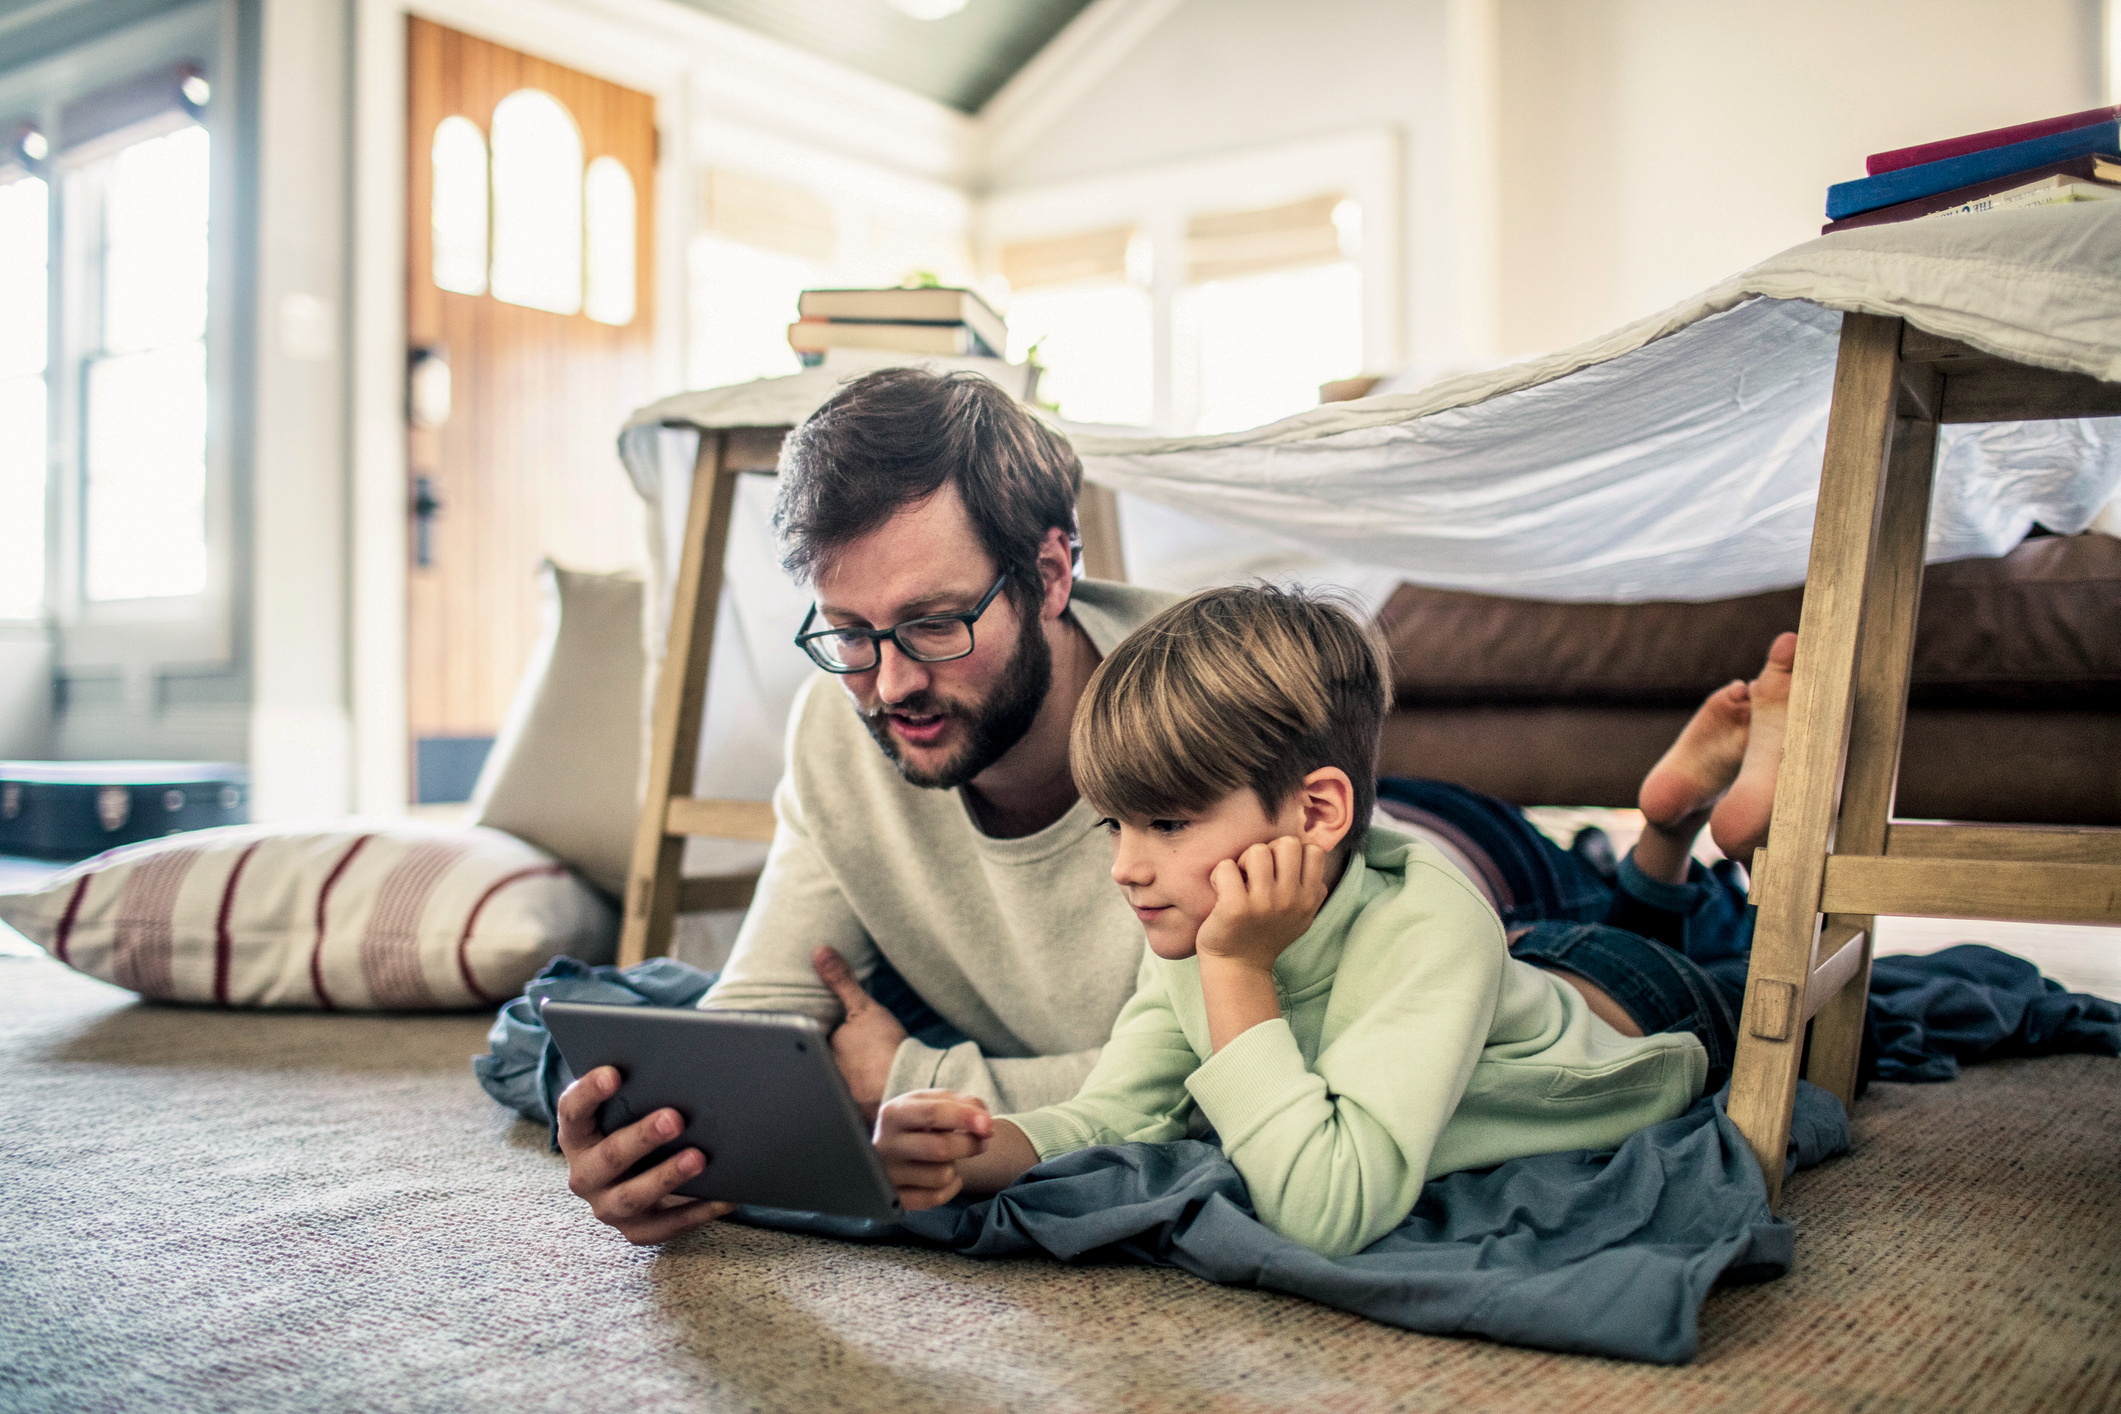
1561,913
1653,983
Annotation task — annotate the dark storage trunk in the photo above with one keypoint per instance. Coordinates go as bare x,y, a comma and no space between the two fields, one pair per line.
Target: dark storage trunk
72,809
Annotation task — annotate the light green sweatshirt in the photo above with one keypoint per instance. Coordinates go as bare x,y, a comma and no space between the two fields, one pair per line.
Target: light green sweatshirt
1411,1044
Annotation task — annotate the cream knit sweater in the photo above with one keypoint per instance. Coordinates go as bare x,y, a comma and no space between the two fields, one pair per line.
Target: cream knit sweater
1024,944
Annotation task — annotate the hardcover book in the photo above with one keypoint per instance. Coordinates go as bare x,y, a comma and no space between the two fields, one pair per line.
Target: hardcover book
908,305
808,336
1879,163
2096,168
1845,199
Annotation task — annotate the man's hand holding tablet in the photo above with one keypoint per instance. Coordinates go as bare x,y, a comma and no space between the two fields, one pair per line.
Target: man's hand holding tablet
644,1208
703,1110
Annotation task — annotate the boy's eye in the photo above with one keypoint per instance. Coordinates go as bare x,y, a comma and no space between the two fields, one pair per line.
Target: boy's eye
1109,825
1167,827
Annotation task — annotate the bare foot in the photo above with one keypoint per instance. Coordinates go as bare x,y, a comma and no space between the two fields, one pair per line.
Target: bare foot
1687,781
1740,823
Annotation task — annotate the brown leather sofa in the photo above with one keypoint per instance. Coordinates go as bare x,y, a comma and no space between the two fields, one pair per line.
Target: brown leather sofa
2014,713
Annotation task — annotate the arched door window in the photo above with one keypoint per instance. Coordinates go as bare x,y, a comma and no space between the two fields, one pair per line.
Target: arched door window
537,203
535,229
611,242
458,206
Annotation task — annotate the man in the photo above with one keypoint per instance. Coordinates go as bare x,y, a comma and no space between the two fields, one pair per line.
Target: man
934,828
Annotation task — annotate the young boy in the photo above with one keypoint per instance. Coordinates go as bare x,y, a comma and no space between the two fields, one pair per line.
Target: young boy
1331,998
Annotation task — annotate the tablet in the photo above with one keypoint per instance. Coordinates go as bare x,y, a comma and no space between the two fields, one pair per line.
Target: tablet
761,1096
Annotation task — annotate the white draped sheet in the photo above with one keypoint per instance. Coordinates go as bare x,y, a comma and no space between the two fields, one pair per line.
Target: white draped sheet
1677,458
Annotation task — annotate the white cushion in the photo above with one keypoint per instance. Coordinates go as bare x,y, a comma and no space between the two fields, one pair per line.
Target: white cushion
350,915
565,772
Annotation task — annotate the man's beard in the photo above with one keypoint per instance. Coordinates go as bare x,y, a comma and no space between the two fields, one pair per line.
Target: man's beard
991,728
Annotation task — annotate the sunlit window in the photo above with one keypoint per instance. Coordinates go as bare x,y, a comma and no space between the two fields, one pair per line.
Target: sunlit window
611,212
1258,346
154,252
146,473
145,392
743,300
458,206
1097,347
23,270
537,203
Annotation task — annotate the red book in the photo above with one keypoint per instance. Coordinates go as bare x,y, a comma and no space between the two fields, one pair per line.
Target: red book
1881,162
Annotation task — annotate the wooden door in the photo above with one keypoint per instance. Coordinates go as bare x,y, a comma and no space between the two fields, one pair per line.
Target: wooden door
523,465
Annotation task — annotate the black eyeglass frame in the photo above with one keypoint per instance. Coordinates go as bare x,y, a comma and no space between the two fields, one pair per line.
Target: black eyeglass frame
804,637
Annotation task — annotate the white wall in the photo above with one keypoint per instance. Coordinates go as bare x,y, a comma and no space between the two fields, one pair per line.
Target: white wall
1220,76
301,725
1647,148
1573,164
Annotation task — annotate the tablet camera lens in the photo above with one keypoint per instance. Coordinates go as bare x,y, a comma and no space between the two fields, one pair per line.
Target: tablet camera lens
801,1046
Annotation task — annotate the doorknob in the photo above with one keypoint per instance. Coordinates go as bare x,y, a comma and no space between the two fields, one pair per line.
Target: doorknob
426,505
427,392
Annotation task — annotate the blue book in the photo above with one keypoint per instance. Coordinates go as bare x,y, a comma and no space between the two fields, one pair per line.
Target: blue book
1930,178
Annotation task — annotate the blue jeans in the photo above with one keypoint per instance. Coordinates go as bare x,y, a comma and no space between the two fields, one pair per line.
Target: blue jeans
1673,956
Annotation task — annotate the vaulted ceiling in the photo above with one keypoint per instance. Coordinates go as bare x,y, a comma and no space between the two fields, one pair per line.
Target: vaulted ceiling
960,59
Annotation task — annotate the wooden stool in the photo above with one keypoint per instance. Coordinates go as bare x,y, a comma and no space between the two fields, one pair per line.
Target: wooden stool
656,891
1836,859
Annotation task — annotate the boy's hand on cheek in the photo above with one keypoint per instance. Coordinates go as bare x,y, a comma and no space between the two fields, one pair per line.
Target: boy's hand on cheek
1264,900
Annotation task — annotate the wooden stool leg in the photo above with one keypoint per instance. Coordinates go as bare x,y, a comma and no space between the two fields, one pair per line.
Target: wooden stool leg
652,884
1885,657
1808,792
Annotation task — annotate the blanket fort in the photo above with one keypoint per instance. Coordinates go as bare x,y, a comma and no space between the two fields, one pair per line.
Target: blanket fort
1677,458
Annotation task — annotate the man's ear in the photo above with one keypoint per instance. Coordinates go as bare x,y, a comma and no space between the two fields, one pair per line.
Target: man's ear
1328,800
1056,573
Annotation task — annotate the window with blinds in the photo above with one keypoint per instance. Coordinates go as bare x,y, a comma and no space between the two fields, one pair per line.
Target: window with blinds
767,215
759,240
1272,308
1228,245
1080,305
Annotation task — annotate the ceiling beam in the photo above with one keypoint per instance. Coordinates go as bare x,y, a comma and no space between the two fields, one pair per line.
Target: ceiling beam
1043,91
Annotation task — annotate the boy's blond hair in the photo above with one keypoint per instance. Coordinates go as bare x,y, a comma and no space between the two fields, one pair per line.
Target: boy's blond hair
1253,686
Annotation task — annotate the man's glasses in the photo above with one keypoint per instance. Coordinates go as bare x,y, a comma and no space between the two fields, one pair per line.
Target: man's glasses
936,638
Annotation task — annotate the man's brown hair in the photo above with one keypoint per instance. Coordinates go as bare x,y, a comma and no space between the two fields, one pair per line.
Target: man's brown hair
895,437
1253,686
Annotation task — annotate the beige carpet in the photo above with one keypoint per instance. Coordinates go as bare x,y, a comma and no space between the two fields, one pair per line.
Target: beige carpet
201,1211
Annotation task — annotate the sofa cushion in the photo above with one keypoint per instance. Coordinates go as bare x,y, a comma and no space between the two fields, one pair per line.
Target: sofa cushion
349,915
565,772
2036,628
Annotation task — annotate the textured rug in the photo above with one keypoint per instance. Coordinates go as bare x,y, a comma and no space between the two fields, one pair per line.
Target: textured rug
206,1211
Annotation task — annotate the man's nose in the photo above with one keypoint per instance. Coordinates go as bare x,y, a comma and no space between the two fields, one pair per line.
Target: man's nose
898,677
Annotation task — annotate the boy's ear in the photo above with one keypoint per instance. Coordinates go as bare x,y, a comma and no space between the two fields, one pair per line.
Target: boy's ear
1328,800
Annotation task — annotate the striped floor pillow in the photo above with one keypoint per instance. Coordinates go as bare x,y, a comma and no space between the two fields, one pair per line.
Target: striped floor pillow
353,916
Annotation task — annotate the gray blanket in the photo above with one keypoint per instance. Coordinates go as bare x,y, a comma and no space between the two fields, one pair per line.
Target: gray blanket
1606,1253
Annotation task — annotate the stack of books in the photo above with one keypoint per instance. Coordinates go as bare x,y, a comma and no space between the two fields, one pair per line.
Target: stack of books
2076,157
913,320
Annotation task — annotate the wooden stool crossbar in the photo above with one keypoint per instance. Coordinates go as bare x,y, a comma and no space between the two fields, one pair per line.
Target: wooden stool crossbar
1836,859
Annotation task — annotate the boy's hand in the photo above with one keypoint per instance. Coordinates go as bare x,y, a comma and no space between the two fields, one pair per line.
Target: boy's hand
922,1136
1264,900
